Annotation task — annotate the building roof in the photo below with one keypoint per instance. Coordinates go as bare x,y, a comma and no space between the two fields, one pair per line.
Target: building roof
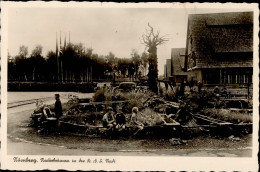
178,58
218,33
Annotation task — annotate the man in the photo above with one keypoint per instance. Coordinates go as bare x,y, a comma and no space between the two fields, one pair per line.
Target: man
191,84
182,88
57,107
166,85
199,86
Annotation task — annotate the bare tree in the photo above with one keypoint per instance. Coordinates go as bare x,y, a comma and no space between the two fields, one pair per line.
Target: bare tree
23,51
151,40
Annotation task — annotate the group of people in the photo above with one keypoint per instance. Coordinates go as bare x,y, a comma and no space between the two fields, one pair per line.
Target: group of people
51,116
112,121
118,121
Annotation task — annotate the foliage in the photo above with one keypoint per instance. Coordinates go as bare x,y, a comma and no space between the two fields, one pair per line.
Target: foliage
132,98
172,95
72,63
227,115
161,90
149,117
99,96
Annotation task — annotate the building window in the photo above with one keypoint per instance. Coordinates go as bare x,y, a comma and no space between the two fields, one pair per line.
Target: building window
238,79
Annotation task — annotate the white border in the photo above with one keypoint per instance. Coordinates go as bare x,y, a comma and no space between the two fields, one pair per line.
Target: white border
133,162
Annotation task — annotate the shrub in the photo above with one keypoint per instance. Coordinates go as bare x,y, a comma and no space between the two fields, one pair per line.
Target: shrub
161,90
227,115
99,96
149,117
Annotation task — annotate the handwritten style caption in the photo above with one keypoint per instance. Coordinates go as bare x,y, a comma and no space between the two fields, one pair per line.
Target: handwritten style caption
59,160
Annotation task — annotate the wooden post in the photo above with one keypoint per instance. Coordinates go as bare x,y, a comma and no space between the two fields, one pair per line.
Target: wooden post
220,76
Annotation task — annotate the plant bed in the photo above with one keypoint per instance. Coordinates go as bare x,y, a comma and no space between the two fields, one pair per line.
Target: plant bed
161,118
228,115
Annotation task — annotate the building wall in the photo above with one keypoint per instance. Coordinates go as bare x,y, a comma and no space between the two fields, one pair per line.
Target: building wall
165,72
227,35
168,68
178,59
219,47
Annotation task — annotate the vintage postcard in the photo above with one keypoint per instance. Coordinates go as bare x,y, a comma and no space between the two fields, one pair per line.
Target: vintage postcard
129,86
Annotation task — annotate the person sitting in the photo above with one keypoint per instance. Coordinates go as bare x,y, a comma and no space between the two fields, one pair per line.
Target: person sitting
47,112
120,121
168,117
134,120
108,119
224,92
216,90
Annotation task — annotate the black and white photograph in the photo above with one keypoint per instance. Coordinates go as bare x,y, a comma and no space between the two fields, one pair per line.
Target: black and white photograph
108,82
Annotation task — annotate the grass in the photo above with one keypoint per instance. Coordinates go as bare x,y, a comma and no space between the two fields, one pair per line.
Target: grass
149,117
227,115
135,99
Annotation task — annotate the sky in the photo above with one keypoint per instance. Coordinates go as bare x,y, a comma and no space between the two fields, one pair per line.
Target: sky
116,30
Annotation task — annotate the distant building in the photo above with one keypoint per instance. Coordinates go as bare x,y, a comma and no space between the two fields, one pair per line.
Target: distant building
178,59
168,69
165,72
219,48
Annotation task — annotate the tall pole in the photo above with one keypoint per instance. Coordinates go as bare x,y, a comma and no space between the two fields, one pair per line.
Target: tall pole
57,57
61,60
69,37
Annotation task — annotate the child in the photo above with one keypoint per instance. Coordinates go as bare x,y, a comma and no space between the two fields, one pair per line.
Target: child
120,121
134,120
108,119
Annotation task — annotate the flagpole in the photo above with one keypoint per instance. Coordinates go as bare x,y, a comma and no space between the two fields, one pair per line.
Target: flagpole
69,37
61,60
57,57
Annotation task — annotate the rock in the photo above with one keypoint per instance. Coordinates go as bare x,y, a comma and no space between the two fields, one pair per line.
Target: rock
176,141
233,138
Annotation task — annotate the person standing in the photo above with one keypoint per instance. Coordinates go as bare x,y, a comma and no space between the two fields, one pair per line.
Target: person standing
191,84
166,85
57,107
182,88
199,87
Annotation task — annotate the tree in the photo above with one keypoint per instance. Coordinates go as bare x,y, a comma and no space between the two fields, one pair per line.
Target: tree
151,40
136,61
144,58
23,51
37,51
112,62
38,64
52,66
21,63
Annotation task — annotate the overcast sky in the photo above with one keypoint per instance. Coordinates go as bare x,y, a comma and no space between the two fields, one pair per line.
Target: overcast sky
105,29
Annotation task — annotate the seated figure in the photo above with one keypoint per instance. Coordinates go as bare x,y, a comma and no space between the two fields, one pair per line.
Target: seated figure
120,121
108,119
134,120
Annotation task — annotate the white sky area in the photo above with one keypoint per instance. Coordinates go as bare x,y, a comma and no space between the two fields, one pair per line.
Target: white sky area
118,30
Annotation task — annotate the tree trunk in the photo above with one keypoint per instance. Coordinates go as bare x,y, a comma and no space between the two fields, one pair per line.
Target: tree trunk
33,74
153,70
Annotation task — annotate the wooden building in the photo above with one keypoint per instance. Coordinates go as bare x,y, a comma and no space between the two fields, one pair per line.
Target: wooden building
219,48
177,59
